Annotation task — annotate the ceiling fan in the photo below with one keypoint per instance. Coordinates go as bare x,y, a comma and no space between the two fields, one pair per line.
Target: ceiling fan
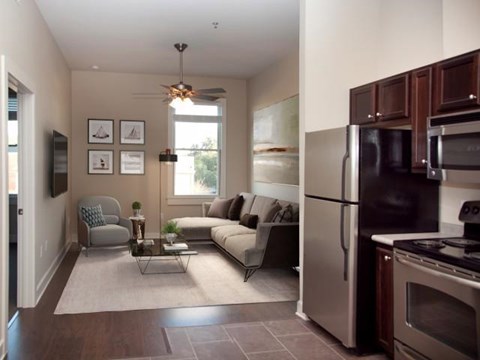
184,93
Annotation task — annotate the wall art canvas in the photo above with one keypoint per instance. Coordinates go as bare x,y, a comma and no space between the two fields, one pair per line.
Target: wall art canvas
100,131
132,132
100,162
276,143
132,162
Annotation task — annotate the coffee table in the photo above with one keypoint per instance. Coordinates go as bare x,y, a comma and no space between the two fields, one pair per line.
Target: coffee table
145,254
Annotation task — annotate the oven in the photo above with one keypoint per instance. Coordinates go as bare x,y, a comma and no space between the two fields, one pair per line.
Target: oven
436,310
453,152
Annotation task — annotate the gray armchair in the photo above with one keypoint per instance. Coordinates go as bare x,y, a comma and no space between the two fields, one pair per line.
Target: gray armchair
117,231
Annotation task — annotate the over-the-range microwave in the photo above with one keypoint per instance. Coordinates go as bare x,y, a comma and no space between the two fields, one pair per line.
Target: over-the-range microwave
454,147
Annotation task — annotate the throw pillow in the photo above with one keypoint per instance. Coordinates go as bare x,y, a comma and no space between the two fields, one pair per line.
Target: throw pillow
285,215
235,208
219,208
93,216
249,221
271,212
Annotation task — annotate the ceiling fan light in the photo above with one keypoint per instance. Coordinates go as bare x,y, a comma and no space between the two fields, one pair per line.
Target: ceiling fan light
179,103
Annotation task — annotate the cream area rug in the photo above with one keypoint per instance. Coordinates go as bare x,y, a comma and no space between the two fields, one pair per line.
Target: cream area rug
110,280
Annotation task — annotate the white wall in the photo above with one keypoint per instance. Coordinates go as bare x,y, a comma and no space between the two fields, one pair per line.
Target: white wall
278,82
28,47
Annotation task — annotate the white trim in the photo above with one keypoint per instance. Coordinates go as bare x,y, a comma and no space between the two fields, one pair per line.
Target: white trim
3,353
300,312
189,200
45,280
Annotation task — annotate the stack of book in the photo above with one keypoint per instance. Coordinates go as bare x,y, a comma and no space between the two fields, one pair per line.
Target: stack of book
175,247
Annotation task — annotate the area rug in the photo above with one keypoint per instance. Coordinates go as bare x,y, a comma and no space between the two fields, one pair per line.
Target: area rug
110,280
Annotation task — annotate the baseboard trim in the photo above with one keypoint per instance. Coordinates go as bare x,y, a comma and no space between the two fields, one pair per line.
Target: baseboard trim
43,283
300,312
2,350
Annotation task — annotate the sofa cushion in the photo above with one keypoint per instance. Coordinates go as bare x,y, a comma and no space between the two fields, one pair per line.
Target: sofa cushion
235,208
221,233
285,215
199,228
295,209
109,234
265,208
242,247
249,221
93,215
247,203
219,208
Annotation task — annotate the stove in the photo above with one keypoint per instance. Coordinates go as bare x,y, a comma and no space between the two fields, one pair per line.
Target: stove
463,252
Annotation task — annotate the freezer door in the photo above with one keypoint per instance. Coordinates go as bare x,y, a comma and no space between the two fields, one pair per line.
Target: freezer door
331,163
330,267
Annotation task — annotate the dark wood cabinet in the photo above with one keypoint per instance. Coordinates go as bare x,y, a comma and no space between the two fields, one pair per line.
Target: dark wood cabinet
362,105
384,298
385,100
421,109
457,84
393,98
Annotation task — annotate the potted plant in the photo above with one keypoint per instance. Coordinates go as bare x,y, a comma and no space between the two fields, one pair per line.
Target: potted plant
171,230
137,208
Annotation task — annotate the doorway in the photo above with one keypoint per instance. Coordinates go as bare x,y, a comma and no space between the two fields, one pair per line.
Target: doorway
13,188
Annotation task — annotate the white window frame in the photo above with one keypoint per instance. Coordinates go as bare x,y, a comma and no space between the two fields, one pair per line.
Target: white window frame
173,199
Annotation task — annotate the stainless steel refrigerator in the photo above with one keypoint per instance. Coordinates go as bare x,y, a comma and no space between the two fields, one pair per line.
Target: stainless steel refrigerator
358,182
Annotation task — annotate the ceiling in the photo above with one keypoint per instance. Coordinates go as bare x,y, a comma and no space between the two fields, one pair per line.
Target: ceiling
137,36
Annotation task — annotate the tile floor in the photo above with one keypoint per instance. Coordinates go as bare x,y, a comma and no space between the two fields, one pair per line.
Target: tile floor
291,339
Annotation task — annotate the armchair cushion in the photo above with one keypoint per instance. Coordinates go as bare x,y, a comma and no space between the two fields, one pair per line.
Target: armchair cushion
93,216
109,234
111,219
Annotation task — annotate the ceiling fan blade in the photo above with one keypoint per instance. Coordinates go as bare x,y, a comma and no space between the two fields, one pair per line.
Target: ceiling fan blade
166,86
147,93
211,91
205,97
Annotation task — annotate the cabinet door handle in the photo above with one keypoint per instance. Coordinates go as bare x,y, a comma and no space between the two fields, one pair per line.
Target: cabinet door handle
369,116
472,97
424,161
378,114
387,258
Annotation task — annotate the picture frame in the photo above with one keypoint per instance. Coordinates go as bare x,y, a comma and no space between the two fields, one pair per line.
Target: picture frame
100,131
100,162
132,162
132,132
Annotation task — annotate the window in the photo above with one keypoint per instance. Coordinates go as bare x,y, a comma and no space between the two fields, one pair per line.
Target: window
197,133
12,143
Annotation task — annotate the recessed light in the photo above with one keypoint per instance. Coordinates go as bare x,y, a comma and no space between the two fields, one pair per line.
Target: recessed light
95,67
215,24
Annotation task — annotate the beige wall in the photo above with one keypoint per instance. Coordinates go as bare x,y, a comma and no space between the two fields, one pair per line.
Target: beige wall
277,83
109,96
30,50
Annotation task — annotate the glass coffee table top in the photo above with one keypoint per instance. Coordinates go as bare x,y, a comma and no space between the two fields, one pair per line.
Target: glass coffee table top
158,249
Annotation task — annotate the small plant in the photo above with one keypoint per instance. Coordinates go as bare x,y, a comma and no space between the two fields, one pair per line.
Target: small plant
171,227
136,205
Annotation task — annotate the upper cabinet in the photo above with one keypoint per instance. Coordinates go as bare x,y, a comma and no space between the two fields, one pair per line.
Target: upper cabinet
384,100
457,84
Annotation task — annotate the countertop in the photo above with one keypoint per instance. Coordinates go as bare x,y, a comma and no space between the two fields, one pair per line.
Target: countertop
388,239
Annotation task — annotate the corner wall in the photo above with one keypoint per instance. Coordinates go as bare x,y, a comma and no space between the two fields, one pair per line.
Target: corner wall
279,82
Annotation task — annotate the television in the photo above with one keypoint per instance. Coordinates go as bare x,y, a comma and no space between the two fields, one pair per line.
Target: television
59,164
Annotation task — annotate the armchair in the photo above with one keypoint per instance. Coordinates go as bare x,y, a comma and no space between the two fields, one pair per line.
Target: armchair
117,231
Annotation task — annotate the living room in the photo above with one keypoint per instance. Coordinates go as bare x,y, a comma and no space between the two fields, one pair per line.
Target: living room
322,71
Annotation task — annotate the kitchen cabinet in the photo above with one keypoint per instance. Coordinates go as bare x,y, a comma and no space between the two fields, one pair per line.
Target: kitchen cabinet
421,90
457,84
384,100
384,297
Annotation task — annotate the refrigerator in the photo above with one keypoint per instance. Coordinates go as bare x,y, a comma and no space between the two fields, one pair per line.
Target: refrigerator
358,182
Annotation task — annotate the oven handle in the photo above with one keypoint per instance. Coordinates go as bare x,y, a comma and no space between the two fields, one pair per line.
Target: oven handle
408,353
438,273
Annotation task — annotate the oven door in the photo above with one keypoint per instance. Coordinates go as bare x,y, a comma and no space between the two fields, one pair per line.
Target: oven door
436,310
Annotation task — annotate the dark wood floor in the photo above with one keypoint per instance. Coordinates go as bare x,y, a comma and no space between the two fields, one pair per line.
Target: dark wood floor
12,280
39,334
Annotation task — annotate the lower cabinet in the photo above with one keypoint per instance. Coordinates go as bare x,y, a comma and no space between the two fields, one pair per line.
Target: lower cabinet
384,298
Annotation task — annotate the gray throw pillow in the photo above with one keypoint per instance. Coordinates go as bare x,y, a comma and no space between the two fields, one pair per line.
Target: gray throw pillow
219,208
93,216
271,212
285,215
249,221
235,208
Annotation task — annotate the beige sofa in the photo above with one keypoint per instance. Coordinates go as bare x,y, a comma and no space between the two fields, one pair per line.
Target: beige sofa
269,245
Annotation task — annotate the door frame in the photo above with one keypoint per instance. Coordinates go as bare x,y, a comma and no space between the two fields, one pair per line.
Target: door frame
11,73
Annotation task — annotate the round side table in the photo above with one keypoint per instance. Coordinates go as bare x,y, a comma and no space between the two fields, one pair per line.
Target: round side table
138,223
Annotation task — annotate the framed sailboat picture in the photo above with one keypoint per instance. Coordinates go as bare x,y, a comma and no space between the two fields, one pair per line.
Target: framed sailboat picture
100,131
100,162
132,132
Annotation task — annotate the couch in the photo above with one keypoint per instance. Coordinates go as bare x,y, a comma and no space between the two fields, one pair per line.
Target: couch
270,244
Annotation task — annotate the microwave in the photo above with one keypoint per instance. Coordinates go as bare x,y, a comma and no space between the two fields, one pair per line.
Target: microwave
453,149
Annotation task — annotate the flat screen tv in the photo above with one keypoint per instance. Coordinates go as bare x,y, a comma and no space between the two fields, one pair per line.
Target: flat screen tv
59,164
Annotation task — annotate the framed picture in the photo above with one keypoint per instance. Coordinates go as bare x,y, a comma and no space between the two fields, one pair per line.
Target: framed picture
132,132
132,162
100,162
100,131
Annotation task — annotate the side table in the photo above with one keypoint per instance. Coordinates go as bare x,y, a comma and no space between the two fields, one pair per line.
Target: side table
138,223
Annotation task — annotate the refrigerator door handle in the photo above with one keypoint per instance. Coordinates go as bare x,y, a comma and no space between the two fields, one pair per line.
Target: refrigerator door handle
344,165
343,244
